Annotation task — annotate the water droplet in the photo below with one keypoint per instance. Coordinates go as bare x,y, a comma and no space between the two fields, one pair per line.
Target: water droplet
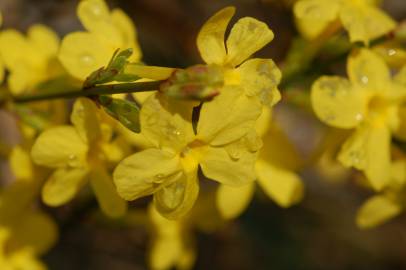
391,52
234,152
359,117
72,157
364,79
159,178
87,59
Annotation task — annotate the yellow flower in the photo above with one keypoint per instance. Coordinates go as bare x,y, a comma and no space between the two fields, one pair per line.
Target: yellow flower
169,169
230,60
25,231
31,59
172,243
84,52
381,207
273,169
362,19
369,103
80,153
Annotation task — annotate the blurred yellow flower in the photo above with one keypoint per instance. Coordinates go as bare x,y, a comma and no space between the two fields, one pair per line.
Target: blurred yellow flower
274,170
106,31
25,231
362,19
31,59
172,244
370,102
382,207
79,154
169,169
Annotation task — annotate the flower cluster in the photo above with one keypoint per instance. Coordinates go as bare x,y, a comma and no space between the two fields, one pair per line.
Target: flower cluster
211,121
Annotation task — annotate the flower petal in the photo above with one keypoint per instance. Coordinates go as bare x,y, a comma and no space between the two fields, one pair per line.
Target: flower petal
44,39
260,77
283,186
228,117
82,53
95,17
63,185
36,231
167,122
177,199
145,172
313,16
86,119
401,76
368,149
128,33
232,201
210,40
21,165
366,23
59,147
337,103
110,203
233,169
247,36
376,211
366,69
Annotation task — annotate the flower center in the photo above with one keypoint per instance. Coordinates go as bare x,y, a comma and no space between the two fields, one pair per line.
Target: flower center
378,109
192,154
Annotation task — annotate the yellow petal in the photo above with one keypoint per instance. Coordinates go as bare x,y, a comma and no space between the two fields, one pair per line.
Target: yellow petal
234,169
368,149
232,201
20,163
400,129
23,259
95,17
15,49
63,185
366,69
106,194
314,16
149,72
264,121
128,33
279,150
376,211
2,71
210,40
44,40
59,147
82,53
167,122
247,36
283,186
401,76
260,77
144,172
177,199
228,117
365,23
86,119
398,174
16,198
37,231
165,252
337,103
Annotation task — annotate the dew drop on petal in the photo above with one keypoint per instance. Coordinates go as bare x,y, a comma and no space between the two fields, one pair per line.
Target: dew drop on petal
87,60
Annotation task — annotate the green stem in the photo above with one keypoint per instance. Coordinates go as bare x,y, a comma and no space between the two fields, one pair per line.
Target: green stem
120,88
